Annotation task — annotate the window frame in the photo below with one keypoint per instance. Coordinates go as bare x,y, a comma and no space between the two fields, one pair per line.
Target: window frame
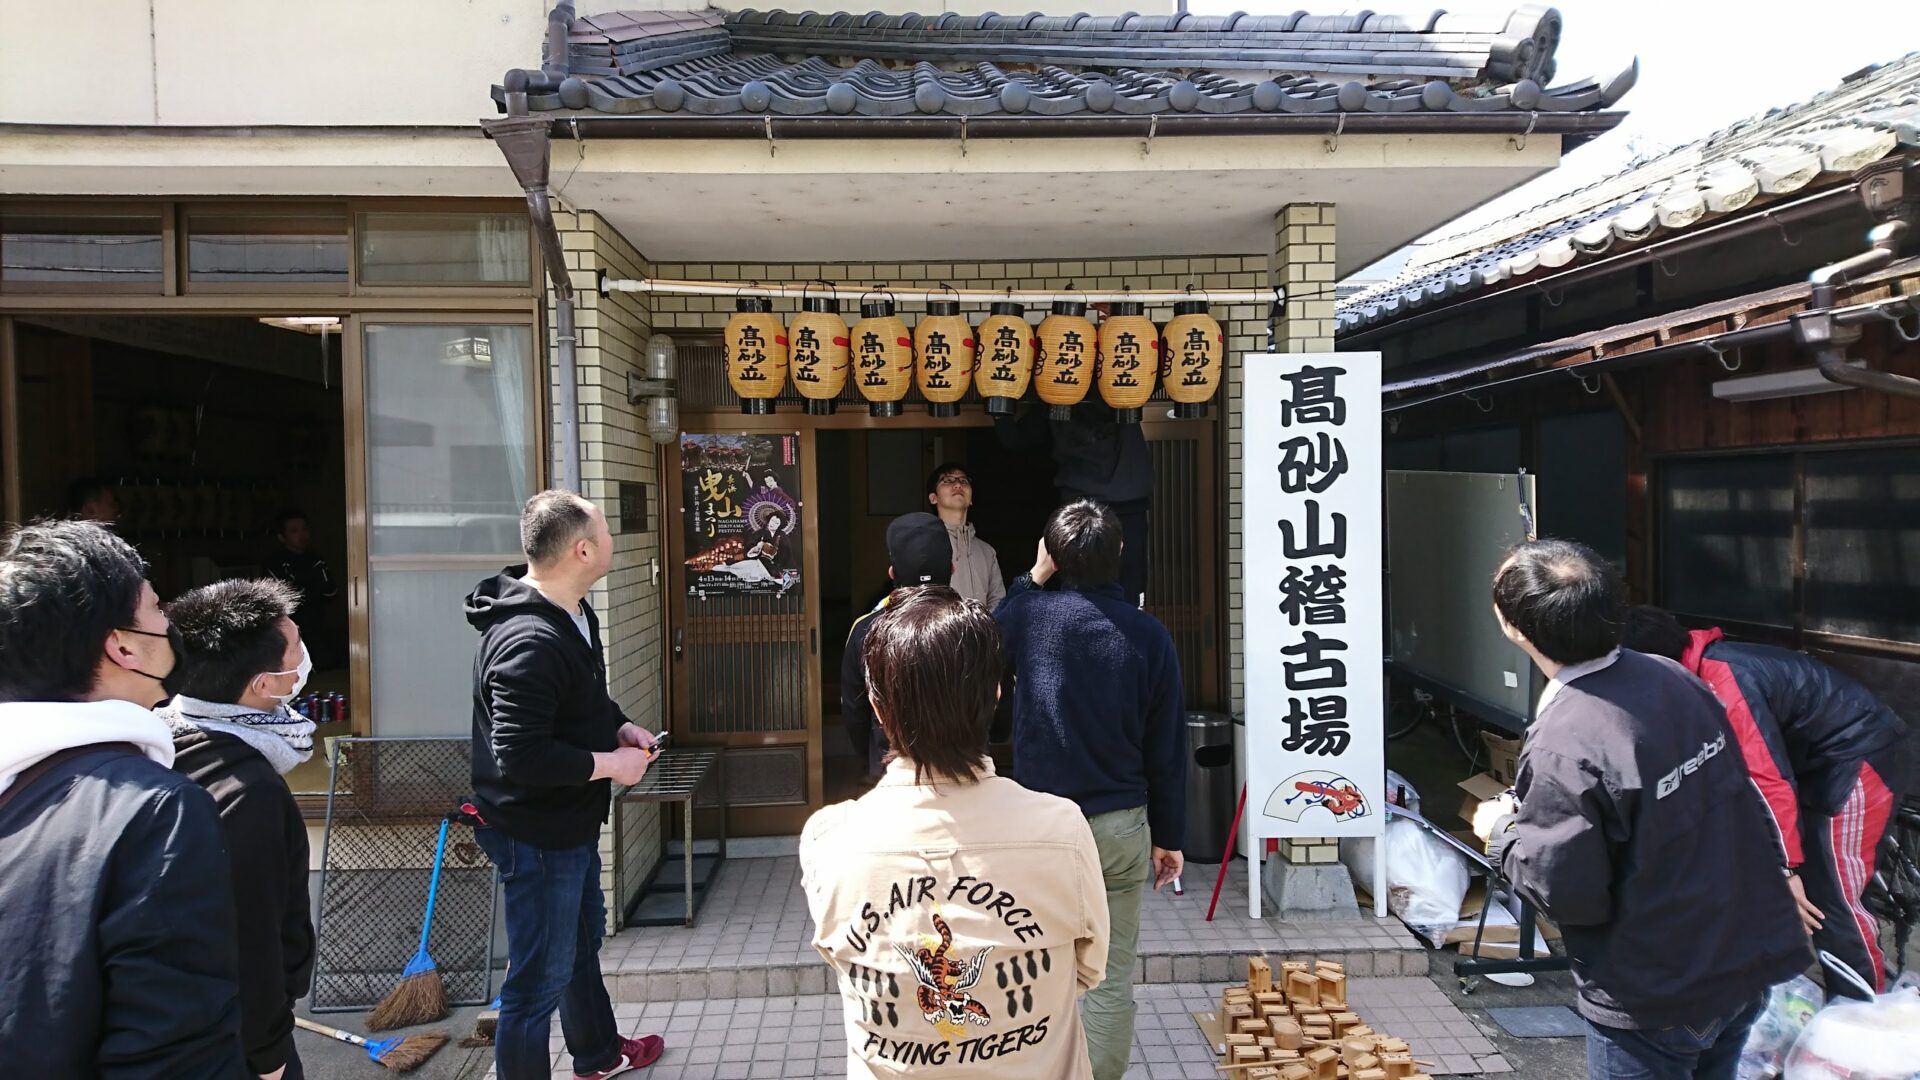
1799,634
169,237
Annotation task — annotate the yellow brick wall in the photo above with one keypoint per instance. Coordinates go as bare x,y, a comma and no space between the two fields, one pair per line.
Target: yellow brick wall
612,335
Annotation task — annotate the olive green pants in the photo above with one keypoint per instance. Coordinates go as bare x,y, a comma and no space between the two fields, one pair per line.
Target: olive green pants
1126,861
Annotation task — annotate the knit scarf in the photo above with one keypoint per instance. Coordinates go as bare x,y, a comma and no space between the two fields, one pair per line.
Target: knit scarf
284,738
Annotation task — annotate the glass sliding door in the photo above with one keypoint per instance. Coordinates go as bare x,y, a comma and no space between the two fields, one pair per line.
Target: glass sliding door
450,445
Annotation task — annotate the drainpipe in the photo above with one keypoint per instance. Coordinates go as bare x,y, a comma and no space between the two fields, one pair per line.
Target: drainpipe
523,142
1827,338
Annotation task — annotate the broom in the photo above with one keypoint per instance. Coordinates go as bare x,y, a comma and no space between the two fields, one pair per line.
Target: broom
421,997
403,1054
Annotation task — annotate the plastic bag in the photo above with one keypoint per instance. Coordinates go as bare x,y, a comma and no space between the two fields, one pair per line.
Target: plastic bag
1790,1006
1861,1040
1426,879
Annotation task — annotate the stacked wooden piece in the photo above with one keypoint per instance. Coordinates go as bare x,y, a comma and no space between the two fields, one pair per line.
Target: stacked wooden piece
1294,1024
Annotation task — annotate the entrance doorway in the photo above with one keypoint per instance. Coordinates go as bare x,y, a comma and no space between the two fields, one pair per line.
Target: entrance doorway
214,446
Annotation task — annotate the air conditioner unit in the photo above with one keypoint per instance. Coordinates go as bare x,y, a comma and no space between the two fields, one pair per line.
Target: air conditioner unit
1796,382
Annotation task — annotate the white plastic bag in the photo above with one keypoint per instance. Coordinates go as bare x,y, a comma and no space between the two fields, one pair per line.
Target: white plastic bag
1426,879
1860,1040
1790,1006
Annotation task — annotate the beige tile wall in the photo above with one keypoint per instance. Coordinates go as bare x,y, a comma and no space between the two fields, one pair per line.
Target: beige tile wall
614,447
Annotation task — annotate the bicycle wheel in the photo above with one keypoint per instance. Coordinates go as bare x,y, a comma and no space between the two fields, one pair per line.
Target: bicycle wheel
1405,712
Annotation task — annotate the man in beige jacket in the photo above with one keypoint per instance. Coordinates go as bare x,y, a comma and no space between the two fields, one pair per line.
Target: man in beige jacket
976,569
963,914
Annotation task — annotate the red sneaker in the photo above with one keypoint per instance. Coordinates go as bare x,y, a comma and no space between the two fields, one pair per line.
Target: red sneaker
634,1054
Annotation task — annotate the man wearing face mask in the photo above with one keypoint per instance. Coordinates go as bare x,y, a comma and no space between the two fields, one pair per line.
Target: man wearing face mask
117,953
241,660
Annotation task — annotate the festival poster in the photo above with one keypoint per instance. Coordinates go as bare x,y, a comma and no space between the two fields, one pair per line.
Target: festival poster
740,501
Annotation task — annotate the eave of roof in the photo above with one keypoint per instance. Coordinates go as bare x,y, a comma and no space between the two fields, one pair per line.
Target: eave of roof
1037,66
1744,169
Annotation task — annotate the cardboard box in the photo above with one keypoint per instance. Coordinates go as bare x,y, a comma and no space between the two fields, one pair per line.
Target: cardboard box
1503,757
1479,787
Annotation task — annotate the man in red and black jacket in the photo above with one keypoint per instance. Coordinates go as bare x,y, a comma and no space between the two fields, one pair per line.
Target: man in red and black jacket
1825,754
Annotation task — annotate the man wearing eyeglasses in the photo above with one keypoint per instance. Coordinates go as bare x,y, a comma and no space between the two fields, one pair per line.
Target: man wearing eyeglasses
976,569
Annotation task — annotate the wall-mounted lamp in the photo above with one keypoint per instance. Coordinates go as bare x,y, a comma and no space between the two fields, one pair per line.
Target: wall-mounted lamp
658,388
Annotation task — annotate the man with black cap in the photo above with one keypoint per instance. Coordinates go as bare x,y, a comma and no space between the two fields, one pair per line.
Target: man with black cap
919,552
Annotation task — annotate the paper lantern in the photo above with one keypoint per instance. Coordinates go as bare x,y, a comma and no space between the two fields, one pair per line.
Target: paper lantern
1129,360
819,350
883,357
1006,358
756,353
1063,363
943,354
1195,350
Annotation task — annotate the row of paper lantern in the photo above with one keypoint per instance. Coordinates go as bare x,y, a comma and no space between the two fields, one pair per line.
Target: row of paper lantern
1063,359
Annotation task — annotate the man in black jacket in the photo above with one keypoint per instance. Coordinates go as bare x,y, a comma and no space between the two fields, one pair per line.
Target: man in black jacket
1098,716
1826,754
241,661
919,552
548,743
1639,832
117,953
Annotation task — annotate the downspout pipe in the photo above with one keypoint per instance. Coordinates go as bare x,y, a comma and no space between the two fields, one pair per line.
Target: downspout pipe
1827,338
523,142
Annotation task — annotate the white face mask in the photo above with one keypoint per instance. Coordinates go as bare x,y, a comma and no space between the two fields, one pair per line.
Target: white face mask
305,669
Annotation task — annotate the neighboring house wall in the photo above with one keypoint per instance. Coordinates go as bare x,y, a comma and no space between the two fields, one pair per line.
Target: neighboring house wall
614,448
344,63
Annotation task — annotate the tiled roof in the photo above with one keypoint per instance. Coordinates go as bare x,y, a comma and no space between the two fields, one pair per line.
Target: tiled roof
810,63
1873,113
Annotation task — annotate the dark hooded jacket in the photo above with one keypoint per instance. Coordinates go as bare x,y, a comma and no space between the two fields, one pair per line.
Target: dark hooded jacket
1641,835
540,713
267,844
1804,727
117,952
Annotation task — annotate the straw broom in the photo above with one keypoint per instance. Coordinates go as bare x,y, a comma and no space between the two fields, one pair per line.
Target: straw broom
421,997
400,1055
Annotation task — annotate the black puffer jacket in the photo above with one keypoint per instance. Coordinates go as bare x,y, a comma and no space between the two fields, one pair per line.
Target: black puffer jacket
1817,724
540,713
1641,835
117,952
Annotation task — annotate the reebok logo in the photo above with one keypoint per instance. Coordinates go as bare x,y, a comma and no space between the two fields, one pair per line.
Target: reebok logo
1670,783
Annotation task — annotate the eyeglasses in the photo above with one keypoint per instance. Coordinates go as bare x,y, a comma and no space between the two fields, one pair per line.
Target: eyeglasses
957,479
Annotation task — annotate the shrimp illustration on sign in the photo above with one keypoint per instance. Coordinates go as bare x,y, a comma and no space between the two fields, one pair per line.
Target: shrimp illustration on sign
1330,791
944,982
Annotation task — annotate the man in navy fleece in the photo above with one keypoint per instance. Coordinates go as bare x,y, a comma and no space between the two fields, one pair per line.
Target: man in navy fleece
1097,709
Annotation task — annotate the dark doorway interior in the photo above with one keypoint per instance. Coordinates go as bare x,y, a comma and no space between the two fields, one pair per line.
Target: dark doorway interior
196,436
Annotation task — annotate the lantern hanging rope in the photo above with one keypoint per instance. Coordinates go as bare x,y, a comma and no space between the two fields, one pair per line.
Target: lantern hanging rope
977,297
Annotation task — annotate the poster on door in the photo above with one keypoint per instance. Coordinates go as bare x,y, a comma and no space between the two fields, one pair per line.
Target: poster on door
1314,596
740,501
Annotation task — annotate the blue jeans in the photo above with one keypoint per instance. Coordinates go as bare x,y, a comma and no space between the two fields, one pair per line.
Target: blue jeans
1709,1051
555,918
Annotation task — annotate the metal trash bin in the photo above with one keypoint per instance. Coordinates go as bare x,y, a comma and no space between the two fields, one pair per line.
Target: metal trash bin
1210,785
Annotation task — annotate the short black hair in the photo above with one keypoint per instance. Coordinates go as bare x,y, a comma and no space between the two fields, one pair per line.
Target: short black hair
1084,540
226,633
64,586
1654,630
280,519
933,667
945,467
552,521
85,490
1563,596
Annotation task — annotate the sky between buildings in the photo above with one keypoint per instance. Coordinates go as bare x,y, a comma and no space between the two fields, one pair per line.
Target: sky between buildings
1703,65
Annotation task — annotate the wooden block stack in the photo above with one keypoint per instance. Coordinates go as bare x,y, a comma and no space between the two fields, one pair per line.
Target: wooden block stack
1295,1025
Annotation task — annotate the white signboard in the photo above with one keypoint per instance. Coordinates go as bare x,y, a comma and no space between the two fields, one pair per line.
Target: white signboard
1311,554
